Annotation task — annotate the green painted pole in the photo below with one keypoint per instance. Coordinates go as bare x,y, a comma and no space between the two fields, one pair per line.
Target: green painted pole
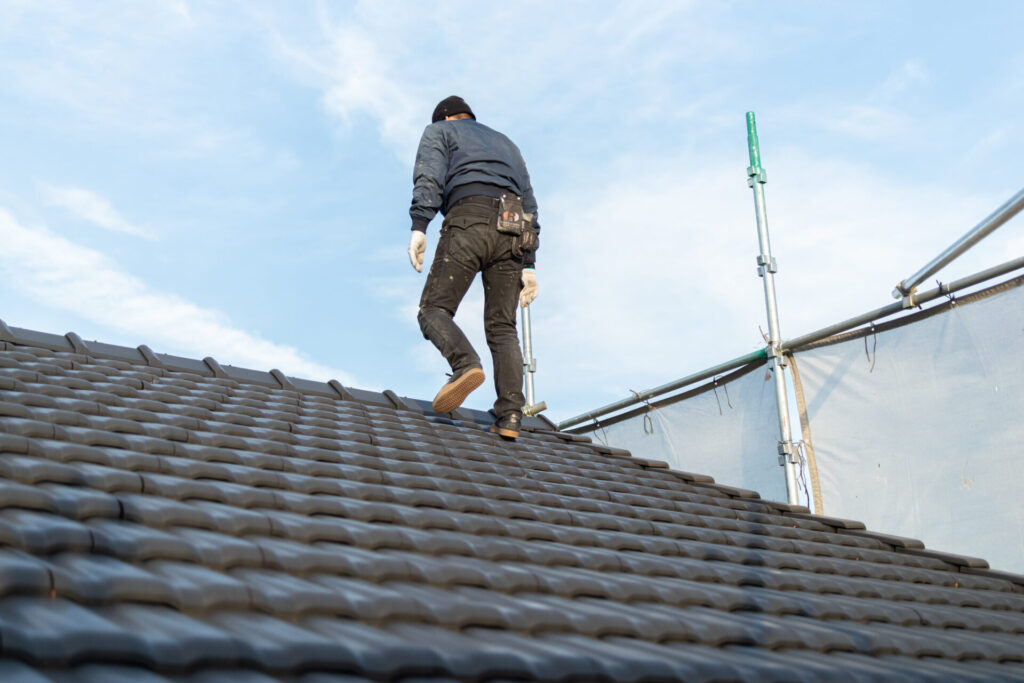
752,145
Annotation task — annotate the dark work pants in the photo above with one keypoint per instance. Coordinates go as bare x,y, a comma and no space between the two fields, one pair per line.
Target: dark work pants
470,244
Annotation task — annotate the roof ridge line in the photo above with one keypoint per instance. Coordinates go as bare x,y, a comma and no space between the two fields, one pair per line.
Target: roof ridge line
273,379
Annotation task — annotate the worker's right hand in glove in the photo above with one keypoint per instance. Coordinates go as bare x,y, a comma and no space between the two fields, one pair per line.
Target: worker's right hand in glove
529,291
417,246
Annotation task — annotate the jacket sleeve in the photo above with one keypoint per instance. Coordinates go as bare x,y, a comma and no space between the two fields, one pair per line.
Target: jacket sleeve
428,177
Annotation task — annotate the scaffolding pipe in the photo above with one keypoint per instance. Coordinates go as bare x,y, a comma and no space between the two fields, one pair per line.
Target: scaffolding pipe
640,397
1004,213
766,268
529,364
798,342
892,309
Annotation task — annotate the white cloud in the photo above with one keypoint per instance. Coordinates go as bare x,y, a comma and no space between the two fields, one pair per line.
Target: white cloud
353,64
393,63
361,83
92,208
62,275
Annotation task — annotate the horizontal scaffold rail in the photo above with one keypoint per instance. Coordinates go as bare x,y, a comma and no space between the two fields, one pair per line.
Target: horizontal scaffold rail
642,396
802,341
911,301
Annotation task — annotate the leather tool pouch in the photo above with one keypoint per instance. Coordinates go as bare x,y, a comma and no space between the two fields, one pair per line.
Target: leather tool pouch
511,219
527,241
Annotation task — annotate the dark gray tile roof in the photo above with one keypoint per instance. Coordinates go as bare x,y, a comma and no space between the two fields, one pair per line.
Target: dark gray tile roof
166,518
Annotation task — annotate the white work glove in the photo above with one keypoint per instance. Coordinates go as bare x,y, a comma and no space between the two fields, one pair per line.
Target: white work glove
417,246
529,291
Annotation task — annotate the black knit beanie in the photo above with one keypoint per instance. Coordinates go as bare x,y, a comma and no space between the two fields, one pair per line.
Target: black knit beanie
450,106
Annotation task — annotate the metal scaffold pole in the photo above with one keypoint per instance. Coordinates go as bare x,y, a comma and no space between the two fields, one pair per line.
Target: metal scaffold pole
529,367
766,268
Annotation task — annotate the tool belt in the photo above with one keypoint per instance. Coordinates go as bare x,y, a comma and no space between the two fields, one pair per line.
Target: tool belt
512,220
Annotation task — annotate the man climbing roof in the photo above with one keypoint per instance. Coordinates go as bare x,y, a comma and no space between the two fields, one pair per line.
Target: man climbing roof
477,178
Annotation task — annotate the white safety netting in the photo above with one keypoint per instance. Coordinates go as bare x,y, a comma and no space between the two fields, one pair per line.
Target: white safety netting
918,430
728,431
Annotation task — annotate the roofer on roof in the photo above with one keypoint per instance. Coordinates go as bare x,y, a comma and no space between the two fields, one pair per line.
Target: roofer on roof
477,178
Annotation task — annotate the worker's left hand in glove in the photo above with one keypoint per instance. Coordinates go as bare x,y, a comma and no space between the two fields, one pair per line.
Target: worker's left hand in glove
417,246
529,291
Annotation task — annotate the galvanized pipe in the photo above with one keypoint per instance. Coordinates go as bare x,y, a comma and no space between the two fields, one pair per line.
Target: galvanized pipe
529,362
642,396
1004,213
766,268
892,309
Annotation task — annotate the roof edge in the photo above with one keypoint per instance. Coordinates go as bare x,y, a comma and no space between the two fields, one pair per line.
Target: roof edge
274,379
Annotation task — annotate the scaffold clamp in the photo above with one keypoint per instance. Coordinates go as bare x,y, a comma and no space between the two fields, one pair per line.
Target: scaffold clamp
756,175
767,263
786,453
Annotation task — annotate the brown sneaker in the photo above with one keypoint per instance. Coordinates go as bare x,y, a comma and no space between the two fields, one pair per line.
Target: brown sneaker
457,389
507,427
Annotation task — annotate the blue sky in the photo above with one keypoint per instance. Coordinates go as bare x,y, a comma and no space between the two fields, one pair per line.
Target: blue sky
233,178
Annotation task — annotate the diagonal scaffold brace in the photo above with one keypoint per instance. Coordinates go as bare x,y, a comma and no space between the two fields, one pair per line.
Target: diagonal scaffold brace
766,269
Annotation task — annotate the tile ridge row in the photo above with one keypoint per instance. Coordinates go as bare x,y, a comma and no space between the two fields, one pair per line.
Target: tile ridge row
144,356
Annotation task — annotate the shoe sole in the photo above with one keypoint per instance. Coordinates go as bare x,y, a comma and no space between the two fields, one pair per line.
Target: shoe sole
507,433
452,395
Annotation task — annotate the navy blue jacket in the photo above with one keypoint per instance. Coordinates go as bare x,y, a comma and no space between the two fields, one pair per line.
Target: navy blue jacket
460,158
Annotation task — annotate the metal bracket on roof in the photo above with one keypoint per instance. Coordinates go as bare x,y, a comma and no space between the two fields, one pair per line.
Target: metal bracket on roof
215,367
5,332
76,343
150,357
395,400
282,380
535,409
340,389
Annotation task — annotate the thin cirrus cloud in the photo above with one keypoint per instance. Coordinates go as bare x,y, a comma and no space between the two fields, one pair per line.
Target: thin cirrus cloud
91,208
356,78
61,275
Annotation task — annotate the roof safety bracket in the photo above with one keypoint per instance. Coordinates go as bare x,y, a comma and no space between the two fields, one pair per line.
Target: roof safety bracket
340,389
215,367
150,357
76,343
282,380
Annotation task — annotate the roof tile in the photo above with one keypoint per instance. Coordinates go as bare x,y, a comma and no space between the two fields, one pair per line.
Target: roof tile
167,520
